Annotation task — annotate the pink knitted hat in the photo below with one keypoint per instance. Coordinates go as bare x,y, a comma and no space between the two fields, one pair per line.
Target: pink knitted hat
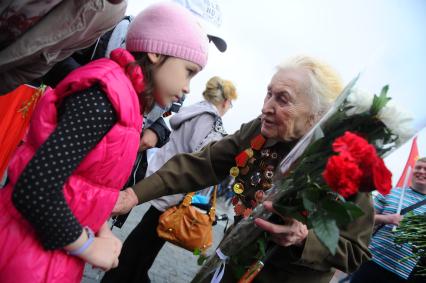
168,29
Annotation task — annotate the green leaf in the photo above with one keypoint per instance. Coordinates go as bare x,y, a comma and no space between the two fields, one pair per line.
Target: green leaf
299,218
384,91
262,247
285,210
310,198
380,101
197,251
326,230
290,211
312,164
336,119
353,210
285,184
308,204
314,147
201,259
238,271
335,210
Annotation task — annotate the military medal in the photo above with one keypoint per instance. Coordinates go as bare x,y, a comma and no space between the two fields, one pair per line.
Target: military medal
255,179
252,175
268,174
238,188
234,171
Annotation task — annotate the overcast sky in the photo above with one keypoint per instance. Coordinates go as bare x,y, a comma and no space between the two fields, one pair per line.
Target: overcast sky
385,40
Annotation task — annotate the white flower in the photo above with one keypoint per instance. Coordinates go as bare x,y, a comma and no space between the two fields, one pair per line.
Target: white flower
360,101
397,121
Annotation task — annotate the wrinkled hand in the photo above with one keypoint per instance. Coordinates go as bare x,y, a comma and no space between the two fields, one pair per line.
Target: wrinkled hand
127,199
104,251
149,140
291,232
393,219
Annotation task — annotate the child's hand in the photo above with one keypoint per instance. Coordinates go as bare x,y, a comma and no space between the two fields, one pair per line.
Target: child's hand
105,232
103,252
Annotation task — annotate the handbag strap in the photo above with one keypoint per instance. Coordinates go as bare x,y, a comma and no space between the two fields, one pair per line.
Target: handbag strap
188,199
212,213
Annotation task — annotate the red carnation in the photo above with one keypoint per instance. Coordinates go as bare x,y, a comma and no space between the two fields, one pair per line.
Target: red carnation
353,147
380,178
368,169
342,175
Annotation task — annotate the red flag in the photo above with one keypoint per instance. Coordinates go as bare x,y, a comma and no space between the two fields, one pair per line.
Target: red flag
412,158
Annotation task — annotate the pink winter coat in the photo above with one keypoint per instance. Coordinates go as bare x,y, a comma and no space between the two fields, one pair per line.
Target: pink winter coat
92,190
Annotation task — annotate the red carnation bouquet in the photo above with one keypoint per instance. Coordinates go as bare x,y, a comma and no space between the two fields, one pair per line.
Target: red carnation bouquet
320,178
357,167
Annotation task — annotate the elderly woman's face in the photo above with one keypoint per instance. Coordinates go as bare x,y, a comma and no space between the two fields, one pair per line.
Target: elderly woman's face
286,112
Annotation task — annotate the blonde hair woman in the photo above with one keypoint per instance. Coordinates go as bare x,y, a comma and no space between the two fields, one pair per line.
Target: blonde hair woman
192,128
220,93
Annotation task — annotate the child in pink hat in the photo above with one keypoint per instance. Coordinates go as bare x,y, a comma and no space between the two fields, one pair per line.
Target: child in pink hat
81,146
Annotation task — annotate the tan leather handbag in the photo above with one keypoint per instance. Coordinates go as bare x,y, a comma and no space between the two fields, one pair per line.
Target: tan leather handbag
187,227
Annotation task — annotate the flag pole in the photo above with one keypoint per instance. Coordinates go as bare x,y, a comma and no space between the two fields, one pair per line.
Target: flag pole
401,199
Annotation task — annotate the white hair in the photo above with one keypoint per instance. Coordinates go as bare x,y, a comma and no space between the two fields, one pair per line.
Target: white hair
325,84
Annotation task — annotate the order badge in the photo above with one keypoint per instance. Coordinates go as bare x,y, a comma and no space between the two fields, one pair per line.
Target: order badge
234,171
238,188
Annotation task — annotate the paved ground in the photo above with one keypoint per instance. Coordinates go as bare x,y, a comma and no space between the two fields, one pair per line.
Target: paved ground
173,264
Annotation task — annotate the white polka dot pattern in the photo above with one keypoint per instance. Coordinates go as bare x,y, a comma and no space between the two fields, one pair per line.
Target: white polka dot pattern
84,119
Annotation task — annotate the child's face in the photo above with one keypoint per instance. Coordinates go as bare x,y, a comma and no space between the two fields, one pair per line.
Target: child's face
172,79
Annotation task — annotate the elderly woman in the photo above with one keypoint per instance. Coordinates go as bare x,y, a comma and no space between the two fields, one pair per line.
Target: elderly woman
297,96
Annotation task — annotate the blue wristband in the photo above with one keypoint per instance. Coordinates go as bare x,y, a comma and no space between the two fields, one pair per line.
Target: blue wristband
90,239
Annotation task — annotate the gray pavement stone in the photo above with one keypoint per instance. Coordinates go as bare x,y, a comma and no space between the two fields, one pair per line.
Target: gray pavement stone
173,264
